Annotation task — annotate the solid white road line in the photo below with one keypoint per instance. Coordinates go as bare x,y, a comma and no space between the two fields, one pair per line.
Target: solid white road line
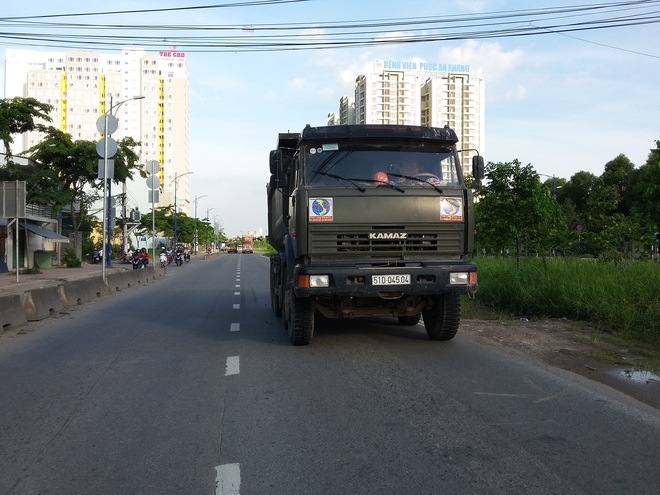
228,479
233,366
235,327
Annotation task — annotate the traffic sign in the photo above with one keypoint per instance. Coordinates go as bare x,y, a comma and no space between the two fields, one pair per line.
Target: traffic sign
113,124
112,147
153,167
153,181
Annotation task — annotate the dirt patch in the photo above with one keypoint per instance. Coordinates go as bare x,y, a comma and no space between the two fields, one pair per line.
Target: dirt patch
573,347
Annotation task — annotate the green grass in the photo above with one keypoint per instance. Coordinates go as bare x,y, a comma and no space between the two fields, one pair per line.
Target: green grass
622,298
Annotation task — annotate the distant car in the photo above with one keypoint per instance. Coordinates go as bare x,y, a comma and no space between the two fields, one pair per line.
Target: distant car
232,248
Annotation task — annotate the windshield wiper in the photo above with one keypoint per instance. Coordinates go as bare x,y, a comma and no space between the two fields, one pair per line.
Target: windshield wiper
340,178
412,177
392,185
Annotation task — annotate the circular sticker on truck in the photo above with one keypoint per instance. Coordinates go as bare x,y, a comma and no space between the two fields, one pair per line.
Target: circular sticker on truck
320,210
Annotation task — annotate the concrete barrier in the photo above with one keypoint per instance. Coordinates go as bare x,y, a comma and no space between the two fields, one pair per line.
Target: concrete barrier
42,303
77,292
119,281
11,312
143,276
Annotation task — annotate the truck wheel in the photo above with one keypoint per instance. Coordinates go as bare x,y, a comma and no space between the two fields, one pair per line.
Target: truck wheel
443,316
300,312
409,320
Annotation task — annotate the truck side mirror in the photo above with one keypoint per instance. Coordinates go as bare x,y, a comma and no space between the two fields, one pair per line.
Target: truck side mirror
275,161
278,178
478,167
278,182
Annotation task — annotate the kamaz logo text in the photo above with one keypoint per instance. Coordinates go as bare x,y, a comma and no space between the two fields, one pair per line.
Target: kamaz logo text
388,235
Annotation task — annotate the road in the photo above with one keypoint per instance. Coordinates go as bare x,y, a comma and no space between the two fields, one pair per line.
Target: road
190,386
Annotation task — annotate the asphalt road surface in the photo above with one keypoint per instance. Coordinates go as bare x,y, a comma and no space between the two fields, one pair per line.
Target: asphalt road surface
190,386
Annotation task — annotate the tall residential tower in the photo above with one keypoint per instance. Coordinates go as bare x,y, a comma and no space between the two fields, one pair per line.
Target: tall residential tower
82,86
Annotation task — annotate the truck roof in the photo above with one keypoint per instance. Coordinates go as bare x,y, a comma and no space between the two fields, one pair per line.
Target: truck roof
362,131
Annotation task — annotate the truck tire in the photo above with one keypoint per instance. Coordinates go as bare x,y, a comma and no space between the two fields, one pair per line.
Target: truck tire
300,313
409,320
442,316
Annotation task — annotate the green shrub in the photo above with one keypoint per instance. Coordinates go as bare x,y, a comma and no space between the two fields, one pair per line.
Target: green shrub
70,259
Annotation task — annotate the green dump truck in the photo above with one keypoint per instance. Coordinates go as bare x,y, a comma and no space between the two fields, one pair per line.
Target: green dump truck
370,220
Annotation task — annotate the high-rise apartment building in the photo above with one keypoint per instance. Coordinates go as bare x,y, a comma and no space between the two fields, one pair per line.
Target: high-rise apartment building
387,97
456,100
419,93
82,86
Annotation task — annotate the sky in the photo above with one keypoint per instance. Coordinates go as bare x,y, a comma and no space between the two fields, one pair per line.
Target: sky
562,102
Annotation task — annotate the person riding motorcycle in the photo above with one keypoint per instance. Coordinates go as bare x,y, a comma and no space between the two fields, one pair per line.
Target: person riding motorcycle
178,257
141,259
163,258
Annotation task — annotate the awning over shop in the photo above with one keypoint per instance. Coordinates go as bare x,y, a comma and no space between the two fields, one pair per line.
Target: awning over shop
48,234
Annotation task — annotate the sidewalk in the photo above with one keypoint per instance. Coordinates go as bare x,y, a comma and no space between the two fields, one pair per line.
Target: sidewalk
52,277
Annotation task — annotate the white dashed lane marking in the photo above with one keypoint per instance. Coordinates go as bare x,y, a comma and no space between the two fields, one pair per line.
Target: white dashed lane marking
235,327
233,366
228,479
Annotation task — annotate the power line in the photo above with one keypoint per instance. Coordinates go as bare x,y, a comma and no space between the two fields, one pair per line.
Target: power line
326,34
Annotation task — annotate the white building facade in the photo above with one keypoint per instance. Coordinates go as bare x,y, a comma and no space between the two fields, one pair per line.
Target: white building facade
82,86
421,93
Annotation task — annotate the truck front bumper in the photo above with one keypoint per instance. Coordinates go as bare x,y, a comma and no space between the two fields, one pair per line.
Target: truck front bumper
369,280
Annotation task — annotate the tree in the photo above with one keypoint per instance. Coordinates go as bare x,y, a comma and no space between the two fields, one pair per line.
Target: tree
75,164
515,210
645,190
577,189
17,115
618,173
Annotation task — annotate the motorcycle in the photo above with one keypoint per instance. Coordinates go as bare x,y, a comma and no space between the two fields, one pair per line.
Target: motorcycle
178,259
139,262
163,260
186,257
97,258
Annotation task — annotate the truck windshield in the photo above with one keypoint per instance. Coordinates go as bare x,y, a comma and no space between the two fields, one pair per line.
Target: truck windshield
373,165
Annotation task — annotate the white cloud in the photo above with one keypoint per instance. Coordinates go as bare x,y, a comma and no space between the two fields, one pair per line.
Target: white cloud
297,83
517,93
487,60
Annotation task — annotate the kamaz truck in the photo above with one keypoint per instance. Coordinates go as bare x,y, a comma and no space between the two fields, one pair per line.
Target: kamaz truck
370,221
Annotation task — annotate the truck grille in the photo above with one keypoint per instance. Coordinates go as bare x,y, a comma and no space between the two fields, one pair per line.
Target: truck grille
446,238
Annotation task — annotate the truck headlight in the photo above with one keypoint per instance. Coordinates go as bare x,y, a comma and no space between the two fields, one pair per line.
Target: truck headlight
459,278
319,281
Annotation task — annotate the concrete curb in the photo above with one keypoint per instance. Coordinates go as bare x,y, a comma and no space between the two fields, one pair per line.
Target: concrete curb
39,303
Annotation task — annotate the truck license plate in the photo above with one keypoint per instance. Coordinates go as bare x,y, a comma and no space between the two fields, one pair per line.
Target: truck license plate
390,279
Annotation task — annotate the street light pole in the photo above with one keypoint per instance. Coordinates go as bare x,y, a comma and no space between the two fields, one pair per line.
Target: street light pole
176,185
197,198
206,246
107,198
